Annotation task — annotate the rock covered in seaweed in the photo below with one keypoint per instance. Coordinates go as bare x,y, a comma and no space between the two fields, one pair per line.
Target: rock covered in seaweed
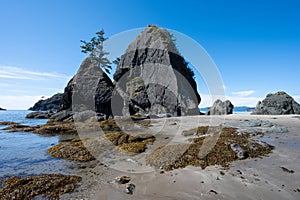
152,78
48,186
229,147
279,103
39,115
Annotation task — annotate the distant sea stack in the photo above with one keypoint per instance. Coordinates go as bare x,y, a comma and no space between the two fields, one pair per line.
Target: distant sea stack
2,108
50,104
279,103
220,108
152,78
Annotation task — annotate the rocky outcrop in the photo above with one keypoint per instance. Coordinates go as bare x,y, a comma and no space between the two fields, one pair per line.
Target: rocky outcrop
89,89
279,103
51,103
2,108
220,108
152,78
39,115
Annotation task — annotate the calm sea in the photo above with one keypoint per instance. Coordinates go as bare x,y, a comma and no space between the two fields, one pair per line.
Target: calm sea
24,154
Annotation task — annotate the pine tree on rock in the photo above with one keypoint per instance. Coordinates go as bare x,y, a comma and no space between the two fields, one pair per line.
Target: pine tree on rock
96,49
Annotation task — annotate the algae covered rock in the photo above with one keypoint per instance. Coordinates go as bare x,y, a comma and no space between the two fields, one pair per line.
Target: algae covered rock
227,149
39,115
71,150
45,186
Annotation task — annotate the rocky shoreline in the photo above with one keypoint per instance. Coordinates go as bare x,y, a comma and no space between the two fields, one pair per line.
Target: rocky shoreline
134,135
235,142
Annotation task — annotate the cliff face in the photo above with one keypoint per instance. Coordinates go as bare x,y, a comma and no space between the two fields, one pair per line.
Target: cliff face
50,104
279,103
89,89
153,78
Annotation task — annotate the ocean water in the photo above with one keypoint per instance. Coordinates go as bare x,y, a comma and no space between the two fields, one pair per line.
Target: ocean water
24,154
236,110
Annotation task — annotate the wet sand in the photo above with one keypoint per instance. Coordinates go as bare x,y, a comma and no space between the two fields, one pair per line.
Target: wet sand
275,176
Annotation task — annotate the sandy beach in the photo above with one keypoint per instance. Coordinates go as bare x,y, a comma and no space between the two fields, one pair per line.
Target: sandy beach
274,176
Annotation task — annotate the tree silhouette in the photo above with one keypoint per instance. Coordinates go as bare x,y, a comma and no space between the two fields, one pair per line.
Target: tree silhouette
97,54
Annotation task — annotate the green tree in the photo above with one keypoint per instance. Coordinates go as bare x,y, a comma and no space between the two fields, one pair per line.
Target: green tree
97,54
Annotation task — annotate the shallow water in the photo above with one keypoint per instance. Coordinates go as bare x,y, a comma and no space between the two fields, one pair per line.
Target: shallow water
24,154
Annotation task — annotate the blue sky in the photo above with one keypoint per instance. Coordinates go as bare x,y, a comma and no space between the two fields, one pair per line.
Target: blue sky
255,44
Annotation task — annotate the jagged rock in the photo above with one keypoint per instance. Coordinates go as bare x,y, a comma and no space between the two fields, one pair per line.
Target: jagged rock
51,103
279,103
89,89
129,188
152,78
39,115
220,108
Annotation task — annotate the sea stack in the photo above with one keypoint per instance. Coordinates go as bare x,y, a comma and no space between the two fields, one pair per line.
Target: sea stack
89,89
279,103
220,108
152,78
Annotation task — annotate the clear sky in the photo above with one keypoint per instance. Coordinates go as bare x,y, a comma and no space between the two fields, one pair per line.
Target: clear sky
255,44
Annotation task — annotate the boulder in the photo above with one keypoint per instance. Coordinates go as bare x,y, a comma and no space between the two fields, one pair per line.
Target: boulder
152,78
220,108
39,115
50,104
279,103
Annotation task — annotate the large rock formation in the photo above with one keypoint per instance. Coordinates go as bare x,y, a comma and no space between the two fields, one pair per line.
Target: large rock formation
279,103
51,103
220,108
152,78
89,89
